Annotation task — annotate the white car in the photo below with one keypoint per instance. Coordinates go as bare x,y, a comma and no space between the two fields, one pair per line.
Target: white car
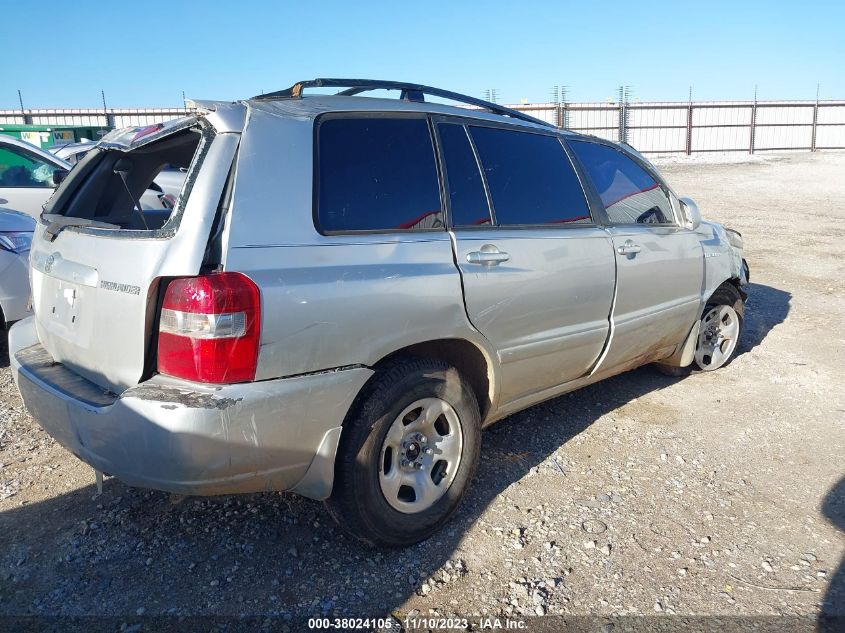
27,175
15,237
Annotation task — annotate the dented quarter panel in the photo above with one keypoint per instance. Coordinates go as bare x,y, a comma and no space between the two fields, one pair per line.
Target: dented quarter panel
187,438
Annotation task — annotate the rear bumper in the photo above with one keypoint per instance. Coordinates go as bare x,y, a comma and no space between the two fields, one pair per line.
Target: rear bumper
187,438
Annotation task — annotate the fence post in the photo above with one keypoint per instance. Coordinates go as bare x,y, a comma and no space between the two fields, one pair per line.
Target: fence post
558,115
753,125
815,122
689,129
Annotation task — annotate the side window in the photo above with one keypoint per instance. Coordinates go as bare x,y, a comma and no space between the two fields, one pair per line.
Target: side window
530,178
376,174
22,169
629,194
467,200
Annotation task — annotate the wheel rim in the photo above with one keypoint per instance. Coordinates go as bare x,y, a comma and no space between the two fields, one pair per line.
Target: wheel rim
717,337
420,455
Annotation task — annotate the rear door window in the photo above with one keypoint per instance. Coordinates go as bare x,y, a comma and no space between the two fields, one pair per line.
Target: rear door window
467,199
530,178
629,194
377,174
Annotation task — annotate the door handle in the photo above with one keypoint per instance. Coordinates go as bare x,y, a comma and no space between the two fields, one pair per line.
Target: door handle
489,255
629,248
3,201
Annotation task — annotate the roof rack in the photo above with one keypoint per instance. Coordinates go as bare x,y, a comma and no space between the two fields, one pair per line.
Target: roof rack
410,92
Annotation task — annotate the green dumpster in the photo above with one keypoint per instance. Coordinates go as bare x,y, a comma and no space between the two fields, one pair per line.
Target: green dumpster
48,136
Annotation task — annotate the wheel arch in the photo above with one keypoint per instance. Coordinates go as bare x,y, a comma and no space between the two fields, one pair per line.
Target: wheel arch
732,286
473,363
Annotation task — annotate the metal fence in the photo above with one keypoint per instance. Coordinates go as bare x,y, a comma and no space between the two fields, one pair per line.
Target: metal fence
705,126
94,117
653,128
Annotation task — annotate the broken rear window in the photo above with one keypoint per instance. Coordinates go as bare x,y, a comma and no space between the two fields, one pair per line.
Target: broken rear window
116,188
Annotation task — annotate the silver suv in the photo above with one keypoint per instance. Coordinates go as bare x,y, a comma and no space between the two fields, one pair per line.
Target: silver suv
348,289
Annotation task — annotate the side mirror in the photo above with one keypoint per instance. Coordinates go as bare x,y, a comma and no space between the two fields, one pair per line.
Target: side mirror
59,175
692,214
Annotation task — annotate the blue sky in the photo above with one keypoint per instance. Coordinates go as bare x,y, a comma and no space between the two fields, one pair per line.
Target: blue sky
61,54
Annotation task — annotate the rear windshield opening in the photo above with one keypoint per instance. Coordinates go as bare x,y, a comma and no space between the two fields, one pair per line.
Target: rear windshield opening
135,190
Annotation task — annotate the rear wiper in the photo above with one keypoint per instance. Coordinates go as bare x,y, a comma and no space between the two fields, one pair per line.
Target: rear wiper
59,222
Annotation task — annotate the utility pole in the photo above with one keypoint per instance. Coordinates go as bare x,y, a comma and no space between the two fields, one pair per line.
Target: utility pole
27,119
109,117
624,97
815,121
689,123
753,122
559,94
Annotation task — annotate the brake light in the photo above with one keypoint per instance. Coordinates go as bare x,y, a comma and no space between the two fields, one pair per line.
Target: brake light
146,131
209,328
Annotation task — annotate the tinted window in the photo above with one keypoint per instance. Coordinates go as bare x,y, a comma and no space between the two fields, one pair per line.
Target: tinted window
377,174
468,202
19,168
530,178
628,192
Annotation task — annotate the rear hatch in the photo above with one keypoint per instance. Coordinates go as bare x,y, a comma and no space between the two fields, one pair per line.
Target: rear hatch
98,260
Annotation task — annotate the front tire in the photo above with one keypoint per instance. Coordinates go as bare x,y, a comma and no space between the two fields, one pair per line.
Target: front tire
407,453
720,329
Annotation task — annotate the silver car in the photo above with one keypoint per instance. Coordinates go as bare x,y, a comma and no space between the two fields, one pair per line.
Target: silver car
15,237
73,152
349,289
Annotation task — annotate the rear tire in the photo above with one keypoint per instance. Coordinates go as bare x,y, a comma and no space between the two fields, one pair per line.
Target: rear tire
407,453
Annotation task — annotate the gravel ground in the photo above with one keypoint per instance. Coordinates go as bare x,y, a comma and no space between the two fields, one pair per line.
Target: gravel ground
717,494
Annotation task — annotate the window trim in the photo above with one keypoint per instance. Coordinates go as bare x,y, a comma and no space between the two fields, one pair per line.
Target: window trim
639,163
437,121
468,122
22,151
315,176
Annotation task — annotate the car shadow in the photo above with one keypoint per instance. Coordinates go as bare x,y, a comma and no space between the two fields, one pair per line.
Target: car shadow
4,349
128,551
832,617
766,308
234,554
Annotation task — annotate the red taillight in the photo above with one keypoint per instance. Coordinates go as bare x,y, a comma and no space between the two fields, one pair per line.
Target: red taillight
209,328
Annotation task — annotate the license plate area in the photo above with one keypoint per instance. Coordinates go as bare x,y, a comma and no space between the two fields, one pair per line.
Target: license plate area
65,309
